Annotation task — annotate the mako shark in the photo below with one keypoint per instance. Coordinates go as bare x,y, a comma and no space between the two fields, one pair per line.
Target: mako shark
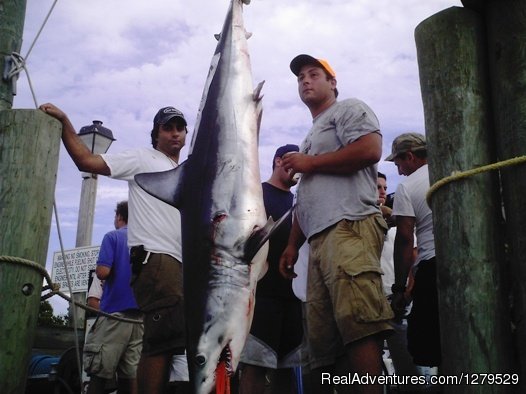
224,225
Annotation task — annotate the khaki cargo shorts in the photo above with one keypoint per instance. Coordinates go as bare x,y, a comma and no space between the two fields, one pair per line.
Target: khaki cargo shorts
345,298
113,346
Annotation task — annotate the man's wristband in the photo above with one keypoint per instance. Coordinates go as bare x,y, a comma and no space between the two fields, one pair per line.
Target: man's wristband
396,288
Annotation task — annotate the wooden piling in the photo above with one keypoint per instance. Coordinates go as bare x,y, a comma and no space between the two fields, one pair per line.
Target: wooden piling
507,59
474,318
12,15
29,151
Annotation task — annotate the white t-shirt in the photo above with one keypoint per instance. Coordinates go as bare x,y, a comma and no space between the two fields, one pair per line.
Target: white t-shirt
95,290
387,261
151,222
410,200
301,268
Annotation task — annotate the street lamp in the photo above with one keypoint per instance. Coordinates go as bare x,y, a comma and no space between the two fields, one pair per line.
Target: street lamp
98,139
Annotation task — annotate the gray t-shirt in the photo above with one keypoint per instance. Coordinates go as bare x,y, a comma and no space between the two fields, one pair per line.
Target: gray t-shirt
325,199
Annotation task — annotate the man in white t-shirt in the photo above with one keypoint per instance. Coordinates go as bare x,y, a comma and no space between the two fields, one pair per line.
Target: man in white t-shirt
409,153
154,237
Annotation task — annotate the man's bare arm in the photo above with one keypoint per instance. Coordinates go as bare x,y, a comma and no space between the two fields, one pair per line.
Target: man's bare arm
362,153
79,152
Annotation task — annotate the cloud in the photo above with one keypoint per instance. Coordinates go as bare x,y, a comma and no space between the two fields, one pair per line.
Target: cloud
119,62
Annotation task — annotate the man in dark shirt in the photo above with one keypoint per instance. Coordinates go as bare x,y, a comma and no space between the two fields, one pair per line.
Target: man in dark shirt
276,334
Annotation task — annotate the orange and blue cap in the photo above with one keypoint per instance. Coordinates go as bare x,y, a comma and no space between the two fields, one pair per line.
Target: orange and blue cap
302,60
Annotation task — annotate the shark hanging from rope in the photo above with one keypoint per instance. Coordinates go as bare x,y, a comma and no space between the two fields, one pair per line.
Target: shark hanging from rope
224,225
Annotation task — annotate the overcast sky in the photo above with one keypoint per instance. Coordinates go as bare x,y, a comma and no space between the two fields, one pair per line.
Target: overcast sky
119,62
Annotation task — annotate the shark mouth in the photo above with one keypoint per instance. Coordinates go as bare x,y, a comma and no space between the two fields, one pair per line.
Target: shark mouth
226,359
224,371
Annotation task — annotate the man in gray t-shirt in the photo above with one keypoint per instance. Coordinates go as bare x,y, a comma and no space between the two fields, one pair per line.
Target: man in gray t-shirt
337,213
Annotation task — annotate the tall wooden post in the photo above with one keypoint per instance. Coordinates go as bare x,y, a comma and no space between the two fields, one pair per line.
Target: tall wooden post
454,81
29,149
12,15
507,58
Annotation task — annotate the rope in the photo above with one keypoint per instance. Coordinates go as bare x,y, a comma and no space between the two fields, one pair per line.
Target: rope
458,175
27,263
54,287
74,310
41,28
18,62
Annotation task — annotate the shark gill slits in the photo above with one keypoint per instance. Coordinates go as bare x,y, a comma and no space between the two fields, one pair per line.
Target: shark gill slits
219,217
200,359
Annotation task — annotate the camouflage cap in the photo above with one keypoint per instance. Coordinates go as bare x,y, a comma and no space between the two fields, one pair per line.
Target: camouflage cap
407,142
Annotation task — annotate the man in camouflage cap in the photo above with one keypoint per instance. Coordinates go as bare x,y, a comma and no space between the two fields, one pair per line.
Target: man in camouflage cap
409,154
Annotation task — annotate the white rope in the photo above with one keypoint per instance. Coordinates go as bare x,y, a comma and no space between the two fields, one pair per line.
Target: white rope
72,305
41,28
19,61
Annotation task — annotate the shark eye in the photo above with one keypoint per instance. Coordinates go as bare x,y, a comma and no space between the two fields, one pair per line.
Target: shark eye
200,359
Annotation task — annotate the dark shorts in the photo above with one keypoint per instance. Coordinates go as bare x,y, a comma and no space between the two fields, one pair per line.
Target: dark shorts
423,326
276,333
277,322
158,289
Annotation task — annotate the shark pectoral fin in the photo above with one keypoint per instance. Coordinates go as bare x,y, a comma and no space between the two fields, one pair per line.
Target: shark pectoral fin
164,185
258,238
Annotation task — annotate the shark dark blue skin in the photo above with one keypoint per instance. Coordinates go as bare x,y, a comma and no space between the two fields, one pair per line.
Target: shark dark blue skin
224,225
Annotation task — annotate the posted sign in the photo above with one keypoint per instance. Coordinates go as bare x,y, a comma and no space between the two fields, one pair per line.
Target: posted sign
80,262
